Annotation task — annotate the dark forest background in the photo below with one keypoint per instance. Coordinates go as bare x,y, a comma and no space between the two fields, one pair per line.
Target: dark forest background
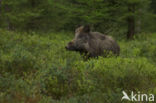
127,17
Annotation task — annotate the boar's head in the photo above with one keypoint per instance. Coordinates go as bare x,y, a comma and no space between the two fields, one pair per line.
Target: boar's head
80,41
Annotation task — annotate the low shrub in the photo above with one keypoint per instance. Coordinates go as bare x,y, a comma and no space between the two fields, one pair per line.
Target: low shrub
37,69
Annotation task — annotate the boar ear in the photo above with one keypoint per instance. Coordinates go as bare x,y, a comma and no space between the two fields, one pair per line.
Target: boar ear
86,28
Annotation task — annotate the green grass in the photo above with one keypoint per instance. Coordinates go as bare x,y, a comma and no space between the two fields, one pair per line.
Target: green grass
37,69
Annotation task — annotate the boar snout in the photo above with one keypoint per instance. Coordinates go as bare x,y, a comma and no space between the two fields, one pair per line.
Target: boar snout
70,46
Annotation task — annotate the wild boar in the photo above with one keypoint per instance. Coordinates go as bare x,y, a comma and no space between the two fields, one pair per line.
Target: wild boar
93,44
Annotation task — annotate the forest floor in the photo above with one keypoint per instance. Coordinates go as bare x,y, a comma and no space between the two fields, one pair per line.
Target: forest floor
36,68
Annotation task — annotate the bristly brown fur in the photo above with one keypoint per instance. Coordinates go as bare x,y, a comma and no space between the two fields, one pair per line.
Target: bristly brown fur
92,43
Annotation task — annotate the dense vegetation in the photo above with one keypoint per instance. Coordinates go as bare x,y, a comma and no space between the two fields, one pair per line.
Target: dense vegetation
35,67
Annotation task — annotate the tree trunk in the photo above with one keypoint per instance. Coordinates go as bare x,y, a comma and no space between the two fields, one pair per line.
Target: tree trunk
131,23
131,28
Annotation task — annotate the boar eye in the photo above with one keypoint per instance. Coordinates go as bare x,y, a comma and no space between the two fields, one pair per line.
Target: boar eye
81,36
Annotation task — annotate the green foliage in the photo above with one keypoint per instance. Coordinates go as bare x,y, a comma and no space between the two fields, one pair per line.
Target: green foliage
37,68
65,15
